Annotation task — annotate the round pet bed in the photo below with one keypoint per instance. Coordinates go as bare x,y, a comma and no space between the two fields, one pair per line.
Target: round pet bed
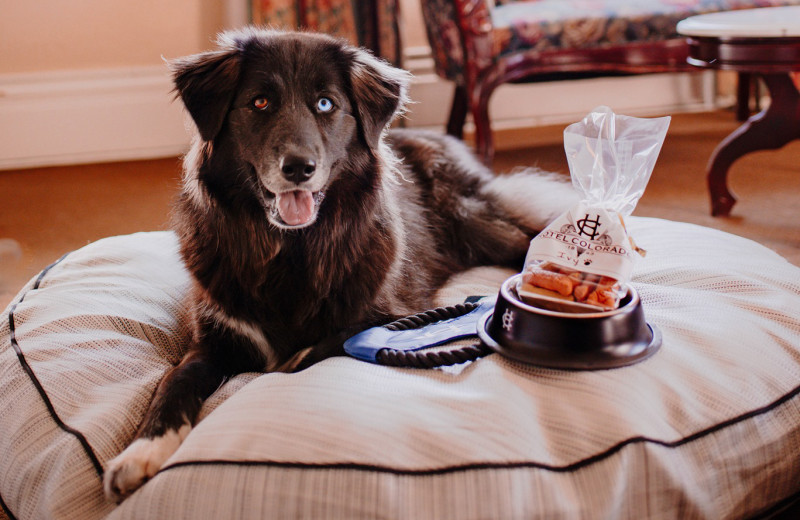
708,427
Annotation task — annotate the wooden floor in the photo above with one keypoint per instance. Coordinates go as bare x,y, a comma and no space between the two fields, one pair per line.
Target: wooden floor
47,212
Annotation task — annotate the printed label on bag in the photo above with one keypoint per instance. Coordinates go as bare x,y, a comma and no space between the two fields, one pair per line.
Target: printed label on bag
587,239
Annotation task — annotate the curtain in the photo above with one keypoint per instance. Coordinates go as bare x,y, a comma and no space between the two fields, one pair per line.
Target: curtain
368,23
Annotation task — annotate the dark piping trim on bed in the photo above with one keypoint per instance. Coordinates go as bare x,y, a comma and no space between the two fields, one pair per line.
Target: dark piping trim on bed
566,468
42,392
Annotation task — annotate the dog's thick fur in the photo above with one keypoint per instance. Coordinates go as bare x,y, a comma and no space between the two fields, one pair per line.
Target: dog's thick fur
302,220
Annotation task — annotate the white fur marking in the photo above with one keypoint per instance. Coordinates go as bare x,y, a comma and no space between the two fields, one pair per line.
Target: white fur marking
248,330
193,161
195,192
140,461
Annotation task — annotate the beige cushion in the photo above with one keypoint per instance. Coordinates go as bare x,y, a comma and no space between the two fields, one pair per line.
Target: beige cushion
709,427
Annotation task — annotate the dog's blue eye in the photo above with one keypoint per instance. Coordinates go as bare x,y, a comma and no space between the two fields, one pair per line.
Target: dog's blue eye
324,105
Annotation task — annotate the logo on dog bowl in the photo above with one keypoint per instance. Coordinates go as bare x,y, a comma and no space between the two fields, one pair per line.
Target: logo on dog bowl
508,320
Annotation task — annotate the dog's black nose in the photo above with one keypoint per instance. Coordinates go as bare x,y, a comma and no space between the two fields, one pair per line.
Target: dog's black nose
298,169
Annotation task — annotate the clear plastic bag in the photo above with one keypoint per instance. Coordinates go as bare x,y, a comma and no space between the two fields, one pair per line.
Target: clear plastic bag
583,259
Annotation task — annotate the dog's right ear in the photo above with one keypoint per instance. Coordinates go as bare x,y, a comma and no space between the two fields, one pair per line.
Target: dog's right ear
206,83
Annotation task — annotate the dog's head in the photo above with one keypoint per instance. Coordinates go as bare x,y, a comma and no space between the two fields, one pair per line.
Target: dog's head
288,110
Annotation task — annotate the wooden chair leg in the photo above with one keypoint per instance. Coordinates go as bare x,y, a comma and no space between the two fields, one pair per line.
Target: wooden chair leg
458,112
484,140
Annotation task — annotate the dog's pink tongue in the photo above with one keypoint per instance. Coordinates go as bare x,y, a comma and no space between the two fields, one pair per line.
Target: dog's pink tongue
296,207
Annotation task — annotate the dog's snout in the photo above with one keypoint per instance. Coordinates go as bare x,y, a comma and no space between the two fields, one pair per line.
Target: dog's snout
297,168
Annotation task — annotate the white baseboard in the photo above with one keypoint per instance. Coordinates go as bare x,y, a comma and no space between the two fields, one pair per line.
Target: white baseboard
564,102
72,117
77,117
535,104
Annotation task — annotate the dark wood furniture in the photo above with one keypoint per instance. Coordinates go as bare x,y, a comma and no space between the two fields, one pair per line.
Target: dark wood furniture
480,45
768,54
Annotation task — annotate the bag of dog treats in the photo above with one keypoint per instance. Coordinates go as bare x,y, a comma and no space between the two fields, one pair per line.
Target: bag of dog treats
582,260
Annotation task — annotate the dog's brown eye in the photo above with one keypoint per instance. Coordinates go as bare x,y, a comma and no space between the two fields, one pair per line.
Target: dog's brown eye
261,103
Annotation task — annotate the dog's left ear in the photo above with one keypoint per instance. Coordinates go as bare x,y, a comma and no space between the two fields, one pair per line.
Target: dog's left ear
206,83
379,92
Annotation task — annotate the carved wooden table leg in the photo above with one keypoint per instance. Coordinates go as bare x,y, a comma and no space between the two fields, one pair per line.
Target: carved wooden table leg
769,129
763,42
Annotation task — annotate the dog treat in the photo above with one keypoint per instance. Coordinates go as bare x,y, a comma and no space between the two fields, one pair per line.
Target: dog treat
548,282
562,284
583,259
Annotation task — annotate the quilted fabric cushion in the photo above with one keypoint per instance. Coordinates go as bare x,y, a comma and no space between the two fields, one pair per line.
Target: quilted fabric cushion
709,427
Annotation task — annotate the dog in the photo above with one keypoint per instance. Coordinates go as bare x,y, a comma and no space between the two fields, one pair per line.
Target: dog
302,219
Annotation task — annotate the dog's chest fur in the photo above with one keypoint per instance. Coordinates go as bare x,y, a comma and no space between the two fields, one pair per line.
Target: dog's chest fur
300,287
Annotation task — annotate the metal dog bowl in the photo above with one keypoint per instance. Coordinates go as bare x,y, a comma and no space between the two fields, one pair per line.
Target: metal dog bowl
581,341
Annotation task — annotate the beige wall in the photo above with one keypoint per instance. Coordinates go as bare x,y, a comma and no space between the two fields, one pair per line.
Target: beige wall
412,27
83,80
45,35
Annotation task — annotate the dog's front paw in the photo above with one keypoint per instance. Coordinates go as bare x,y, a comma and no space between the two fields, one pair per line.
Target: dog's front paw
141,460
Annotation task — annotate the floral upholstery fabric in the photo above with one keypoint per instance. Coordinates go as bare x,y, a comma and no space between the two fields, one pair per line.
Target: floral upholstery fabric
444,37
371,24
551,25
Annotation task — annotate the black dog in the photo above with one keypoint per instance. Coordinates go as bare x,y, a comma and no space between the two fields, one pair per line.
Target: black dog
302,221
